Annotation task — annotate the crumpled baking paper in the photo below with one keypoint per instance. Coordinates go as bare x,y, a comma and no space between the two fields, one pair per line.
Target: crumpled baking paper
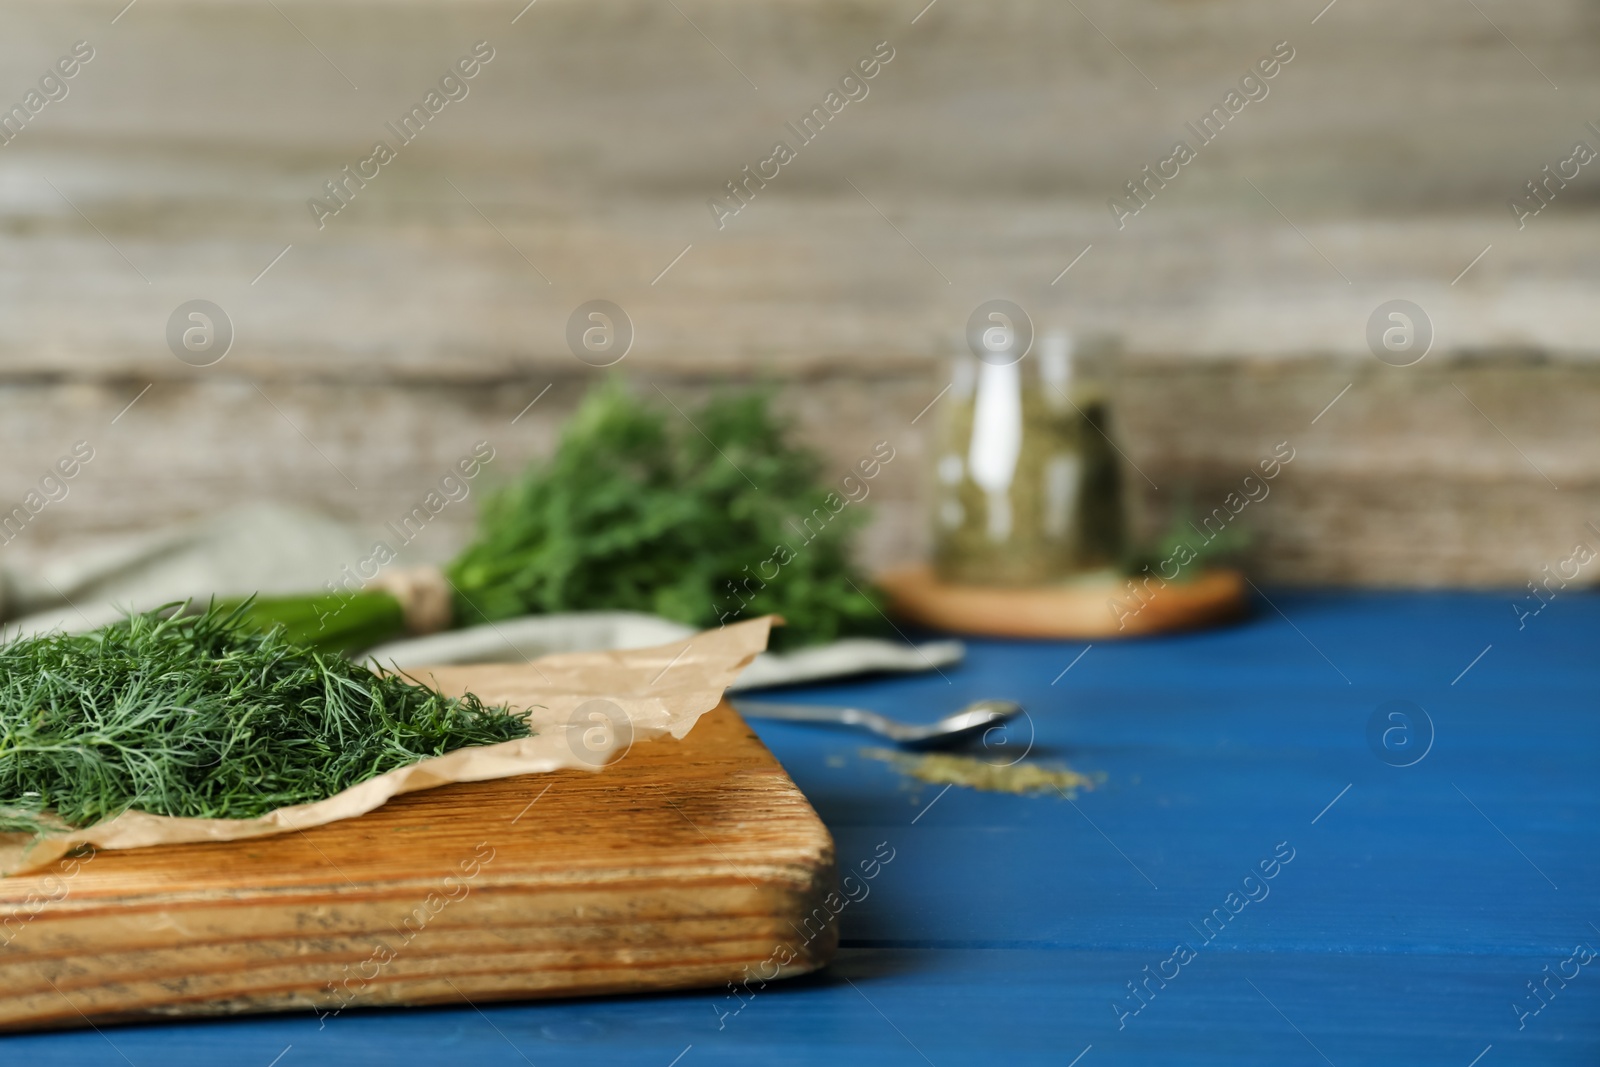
586,709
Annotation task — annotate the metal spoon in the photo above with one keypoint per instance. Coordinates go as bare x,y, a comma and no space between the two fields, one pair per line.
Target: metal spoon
970,722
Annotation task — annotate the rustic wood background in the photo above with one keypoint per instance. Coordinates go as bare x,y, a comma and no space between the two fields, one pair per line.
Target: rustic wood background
432,310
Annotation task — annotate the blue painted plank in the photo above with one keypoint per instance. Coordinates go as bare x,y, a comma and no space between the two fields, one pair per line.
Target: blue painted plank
1419,903
947,1007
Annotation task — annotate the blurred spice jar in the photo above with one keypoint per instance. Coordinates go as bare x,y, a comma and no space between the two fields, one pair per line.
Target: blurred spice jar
1028,486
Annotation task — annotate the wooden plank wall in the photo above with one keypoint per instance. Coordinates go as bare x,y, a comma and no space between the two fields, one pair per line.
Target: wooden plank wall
430,310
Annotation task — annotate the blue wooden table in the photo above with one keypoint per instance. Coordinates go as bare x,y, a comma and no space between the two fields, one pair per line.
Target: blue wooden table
1276,869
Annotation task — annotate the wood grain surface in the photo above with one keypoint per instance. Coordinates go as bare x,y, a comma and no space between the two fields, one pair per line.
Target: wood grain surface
685,863
432,311
1099,609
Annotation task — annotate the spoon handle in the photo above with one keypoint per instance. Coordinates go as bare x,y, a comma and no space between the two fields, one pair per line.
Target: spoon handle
758,709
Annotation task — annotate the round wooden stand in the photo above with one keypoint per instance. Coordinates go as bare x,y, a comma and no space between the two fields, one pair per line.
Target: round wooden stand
1091,609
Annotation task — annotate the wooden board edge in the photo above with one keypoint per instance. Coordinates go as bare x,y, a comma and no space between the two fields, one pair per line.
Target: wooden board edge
745,914
1066,612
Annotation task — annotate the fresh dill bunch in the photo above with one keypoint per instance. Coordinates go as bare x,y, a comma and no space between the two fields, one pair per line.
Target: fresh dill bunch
642,509
1186,545
206,716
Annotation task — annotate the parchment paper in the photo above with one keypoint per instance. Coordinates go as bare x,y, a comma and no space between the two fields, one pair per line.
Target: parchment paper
586,709
513,640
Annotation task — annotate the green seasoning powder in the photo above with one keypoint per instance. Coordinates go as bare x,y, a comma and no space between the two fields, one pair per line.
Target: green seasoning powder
942,768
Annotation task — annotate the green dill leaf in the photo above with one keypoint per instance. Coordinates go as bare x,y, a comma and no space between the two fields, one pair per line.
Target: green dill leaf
206,716
642,509
1192,549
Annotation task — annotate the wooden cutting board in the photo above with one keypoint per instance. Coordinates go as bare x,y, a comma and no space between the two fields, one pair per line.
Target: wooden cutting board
685,863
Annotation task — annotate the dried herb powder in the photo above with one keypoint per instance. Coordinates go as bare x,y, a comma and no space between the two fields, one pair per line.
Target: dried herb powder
206,716
973,772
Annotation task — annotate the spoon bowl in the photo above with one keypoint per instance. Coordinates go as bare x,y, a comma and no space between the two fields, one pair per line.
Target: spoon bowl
965,726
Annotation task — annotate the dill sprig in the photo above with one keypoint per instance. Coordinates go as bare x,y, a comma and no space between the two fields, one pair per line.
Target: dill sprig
643,509
206,716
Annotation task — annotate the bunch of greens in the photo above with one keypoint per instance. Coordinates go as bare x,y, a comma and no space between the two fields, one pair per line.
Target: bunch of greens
704,519
1189,548
206,716
644,509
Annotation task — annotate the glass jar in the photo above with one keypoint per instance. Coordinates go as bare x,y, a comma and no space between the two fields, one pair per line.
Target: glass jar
1028,483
